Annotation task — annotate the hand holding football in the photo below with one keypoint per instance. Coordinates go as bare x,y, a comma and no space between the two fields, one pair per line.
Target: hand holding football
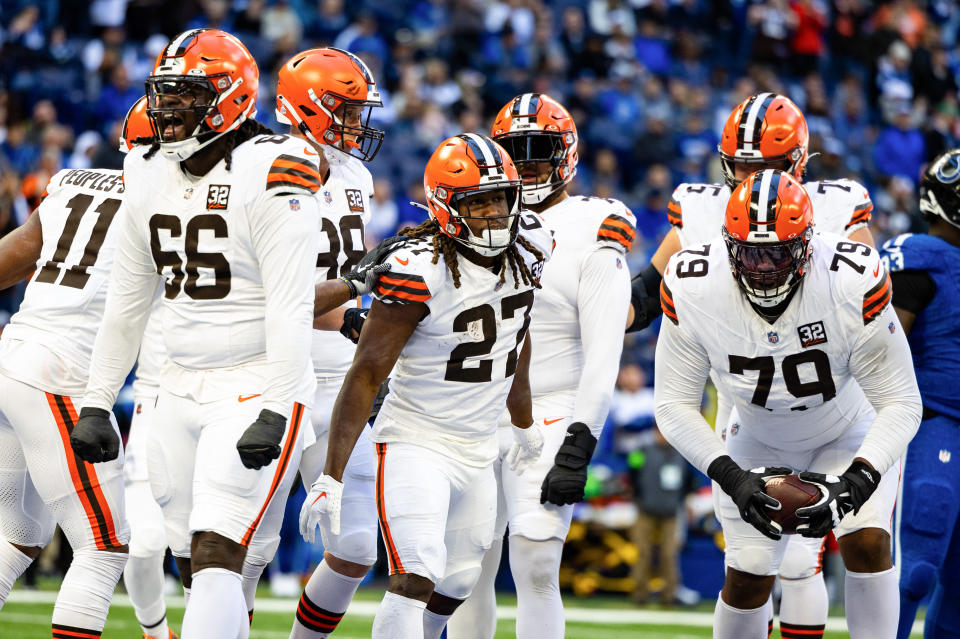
792,493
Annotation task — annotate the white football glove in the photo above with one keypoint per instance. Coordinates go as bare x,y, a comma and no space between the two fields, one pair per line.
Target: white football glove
323,503
527,444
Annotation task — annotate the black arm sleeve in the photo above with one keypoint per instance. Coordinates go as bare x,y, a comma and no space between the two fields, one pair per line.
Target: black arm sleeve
912,290
645,298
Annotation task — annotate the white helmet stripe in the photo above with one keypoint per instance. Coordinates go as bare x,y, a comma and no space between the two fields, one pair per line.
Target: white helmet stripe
750,126
173,49
524,106
763,203
491,159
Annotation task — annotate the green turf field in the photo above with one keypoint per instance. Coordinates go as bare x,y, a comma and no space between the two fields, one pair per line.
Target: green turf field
27,616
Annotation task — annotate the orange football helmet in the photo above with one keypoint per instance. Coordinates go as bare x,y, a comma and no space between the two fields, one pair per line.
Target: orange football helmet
318,89
466,165
535,128
767,230
765,131
136,127
206,72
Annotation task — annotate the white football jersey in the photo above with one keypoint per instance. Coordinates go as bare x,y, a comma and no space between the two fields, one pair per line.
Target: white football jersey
790,381
220,242
581,227
697,211
49,341
839,206
344,210
152,353
451,381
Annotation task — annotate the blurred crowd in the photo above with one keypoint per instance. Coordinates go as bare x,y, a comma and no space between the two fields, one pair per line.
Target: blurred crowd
649,83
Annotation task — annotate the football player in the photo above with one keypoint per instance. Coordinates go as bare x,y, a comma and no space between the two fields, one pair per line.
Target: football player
325,96
451,321
764,131
68,244
227,217
924,270
797,331
143,574
574,366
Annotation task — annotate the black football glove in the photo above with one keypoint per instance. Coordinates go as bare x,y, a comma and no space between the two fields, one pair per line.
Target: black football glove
260,443
353,319
645,298
378,402
841,495
363,277
564,482
93,439
746,489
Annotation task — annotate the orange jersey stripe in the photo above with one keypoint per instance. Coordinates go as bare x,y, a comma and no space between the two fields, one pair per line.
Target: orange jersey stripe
674,213
295,180
610,235
666,303
279,471
877,292
299,166
396,566
401,295
409,283
612,221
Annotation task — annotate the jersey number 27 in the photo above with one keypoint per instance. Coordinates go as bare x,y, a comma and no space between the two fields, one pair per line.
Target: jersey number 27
483,371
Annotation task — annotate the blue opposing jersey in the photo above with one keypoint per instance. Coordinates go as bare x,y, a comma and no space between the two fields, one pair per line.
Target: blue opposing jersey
935,335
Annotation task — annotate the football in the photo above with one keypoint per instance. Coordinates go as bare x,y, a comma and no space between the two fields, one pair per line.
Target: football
792,493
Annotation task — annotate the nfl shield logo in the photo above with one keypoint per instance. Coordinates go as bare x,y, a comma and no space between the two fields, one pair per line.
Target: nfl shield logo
294,204
945,456
327,197
772,337
892,328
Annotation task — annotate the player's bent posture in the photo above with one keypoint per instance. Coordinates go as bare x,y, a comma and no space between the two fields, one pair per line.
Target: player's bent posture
451,321
925,273
325,96
228,219
802,340
68,243
143,574
575,326
765,131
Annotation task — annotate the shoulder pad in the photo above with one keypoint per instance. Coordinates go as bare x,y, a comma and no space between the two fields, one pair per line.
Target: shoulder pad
54,183
919,252
618,230
688,194
692,273
290,164
410,274
856,272
846,200
536,233
293,172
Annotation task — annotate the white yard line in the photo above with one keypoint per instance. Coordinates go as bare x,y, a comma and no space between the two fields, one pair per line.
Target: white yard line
605,616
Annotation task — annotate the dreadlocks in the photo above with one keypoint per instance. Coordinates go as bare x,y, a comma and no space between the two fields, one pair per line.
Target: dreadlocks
447,245
247,130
